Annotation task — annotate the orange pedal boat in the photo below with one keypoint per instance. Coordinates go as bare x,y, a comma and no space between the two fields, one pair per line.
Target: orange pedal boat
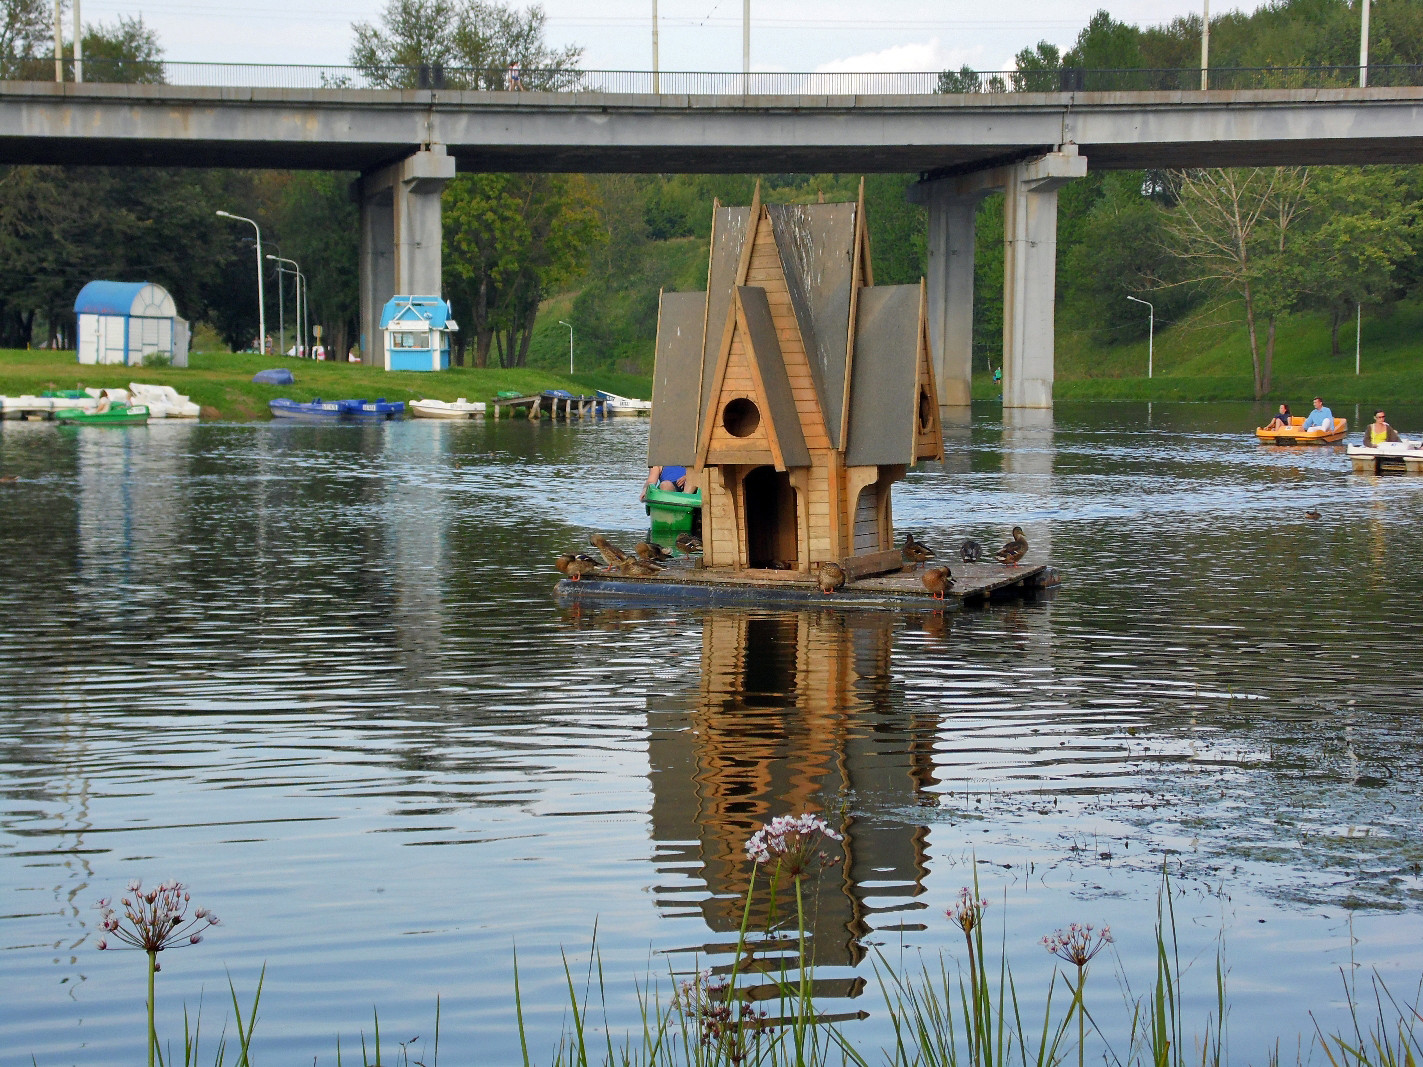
1298,435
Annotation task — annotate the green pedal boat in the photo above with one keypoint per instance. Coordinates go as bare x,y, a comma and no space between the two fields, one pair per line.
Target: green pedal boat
672,511
118,415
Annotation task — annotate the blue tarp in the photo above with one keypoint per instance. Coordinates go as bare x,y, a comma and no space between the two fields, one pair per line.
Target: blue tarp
274,376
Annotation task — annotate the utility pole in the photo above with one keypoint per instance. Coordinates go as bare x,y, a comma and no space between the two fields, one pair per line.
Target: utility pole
1358,335
78,46
656,79
58,43
1206,45
1364,47
746,45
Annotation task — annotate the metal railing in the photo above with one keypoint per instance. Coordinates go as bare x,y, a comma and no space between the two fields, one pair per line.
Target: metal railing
704,83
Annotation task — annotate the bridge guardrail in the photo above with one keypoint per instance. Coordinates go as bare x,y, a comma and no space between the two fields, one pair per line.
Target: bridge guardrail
702,83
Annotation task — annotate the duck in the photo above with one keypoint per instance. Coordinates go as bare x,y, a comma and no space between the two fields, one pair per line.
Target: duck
830,577
611,552
1310,514
650,552
971,551
915,552
938,580
688,543
638,568
576,566
9,479
1014,550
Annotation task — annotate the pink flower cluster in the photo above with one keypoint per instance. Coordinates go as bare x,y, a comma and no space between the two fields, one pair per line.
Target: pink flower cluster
154,919
967,912
793,841
708,1002
1077,944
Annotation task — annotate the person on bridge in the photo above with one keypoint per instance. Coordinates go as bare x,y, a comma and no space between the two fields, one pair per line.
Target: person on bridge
516,80
1320,417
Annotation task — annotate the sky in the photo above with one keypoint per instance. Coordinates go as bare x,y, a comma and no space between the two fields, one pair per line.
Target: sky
786,35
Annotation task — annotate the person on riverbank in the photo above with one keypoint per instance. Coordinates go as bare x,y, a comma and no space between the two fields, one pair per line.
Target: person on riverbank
668,479
1379,431
1280,421
1321,417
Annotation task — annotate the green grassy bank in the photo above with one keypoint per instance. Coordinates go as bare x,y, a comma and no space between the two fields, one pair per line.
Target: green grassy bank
1207,357
222,382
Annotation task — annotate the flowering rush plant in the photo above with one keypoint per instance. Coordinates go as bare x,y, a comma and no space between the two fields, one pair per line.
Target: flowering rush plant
1078,943
153,919
793,841
967,911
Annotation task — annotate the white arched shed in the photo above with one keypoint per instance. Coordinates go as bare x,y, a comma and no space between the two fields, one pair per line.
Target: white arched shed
123,322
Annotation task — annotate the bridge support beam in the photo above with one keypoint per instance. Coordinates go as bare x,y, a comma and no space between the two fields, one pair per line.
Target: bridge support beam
1029,274
401,237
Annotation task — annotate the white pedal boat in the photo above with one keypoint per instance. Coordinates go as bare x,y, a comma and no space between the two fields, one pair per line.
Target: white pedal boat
446,409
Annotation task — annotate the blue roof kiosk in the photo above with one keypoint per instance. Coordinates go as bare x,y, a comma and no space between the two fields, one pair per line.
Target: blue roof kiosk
417,333
123,322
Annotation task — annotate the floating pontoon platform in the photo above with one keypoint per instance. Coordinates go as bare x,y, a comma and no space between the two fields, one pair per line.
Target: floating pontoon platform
681,582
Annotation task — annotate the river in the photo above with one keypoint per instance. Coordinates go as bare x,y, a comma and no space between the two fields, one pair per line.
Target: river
319,675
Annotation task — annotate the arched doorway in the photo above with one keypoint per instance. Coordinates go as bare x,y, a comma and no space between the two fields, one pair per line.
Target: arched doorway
770,519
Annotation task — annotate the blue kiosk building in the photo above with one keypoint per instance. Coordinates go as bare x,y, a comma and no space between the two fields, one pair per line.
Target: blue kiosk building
417,333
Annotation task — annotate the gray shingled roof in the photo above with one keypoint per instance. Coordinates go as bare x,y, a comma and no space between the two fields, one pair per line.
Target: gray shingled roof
884,377
672,437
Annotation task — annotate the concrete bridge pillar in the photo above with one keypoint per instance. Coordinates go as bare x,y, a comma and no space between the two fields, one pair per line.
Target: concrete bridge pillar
401,236
950,285
1029,274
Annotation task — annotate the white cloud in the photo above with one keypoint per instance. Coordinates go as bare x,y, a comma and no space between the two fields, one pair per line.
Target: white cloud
915,56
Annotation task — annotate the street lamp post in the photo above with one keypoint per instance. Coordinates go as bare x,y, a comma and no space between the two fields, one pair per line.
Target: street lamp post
261,300
300,293
1151,332
570,343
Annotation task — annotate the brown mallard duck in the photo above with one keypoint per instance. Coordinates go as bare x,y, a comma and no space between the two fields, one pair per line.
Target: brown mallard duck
688,543
970,551
915,552
638,568
651,552
1014,550
830,577
576,566
938,580
9,479
611,552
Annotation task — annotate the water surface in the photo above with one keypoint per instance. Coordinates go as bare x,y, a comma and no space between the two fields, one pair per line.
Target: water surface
318,673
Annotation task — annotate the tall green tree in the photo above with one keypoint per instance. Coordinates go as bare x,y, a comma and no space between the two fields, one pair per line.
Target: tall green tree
473,41
26,28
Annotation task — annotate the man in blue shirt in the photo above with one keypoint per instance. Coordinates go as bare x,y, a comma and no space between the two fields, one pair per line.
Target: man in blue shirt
1320,417
668,479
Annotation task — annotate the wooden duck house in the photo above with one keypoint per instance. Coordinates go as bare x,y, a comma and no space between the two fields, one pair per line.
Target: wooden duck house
794,390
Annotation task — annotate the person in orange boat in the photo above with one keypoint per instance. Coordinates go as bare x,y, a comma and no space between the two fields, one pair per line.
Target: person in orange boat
1379,431
1320,417
1280,421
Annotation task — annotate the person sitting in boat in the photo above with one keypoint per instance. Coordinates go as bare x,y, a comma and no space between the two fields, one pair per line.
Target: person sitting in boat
1282,420
1321,417
668,479
1379,431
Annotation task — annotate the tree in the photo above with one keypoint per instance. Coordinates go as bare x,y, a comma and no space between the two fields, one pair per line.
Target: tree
126,51
25,29
510,240
1366,224
316,223
1037,69
1230,229
472,41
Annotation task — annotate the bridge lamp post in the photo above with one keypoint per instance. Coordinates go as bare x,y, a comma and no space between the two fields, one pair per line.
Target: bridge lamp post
1151,332
261,301
570,343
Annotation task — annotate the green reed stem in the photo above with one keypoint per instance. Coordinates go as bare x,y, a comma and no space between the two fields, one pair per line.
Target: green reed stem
152,1029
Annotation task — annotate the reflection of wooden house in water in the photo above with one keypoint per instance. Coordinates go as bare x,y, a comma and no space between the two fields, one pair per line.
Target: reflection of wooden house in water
794,712
795,390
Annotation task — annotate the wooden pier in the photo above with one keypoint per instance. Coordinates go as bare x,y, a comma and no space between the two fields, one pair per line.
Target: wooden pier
683,582
554,407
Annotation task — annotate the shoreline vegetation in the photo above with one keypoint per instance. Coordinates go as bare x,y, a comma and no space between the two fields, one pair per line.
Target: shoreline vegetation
760,1009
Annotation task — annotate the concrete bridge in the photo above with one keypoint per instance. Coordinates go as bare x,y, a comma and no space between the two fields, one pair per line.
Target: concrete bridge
408,143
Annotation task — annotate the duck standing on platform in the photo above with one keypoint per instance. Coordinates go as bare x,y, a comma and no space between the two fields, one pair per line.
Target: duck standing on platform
830,577
915,552
638,568
611,552
971,551
688,543
576,566
938,580
651,552
1014,550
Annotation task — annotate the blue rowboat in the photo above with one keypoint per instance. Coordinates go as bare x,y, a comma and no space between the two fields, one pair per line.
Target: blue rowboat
380,408
285,408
